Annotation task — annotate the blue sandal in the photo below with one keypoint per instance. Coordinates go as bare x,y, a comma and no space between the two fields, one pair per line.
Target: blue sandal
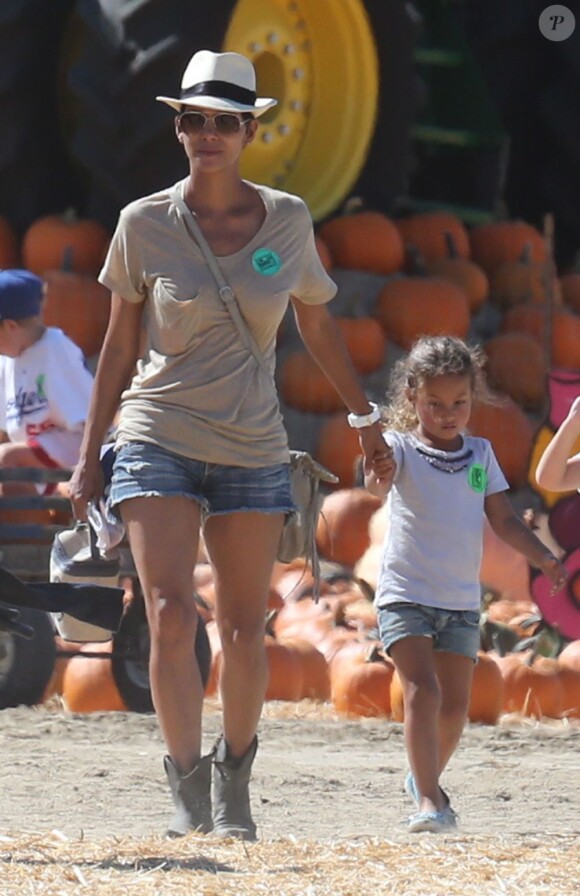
432,822
450,815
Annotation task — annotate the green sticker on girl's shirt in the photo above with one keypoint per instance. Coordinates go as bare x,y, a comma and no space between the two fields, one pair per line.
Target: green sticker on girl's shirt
477,477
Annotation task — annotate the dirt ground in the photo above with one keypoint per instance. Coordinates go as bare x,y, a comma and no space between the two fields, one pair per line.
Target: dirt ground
315,776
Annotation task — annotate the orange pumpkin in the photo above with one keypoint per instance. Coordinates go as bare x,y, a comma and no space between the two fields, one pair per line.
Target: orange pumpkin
494,243
570,290
427,232
570,682
315,673
88,684
55,242
80,306
9,245
397,698
409,307
365,342
487,687
523,280
531,685
466,274
511,434
516,366
304,386
533,319
569,656
323,253
364,241
342,533
338,449
285,672
360,682
65,650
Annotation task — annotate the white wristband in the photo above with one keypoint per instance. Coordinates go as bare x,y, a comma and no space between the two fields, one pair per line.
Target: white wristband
359,421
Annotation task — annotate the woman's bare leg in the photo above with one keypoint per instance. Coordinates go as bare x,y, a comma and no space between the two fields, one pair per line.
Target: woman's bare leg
242,549
164,534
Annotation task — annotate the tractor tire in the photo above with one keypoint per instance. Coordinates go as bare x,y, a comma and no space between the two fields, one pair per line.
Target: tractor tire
344,74
130,658
26,665
35,177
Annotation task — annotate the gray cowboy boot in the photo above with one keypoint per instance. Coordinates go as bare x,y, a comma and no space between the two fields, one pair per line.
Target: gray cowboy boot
231,796
191,797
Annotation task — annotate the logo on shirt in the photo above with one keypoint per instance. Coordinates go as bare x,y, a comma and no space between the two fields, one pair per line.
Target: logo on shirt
27,402
477,477
266,262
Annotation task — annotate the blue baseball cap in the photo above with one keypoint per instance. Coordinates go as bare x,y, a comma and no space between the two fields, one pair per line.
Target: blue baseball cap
20,294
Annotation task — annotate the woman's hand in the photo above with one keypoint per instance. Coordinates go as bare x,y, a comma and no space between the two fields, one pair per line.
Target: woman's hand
86,484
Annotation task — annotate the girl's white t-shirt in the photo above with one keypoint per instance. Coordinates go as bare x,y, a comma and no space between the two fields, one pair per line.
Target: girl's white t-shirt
433,547
44,396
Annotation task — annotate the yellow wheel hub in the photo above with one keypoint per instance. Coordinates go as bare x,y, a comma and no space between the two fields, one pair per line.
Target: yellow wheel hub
319,60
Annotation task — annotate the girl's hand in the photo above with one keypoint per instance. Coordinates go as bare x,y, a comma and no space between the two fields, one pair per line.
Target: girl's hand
86,484
378,457
555,571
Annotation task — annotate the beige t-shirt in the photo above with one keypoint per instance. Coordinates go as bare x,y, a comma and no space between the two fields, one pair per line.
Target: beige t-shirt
197,391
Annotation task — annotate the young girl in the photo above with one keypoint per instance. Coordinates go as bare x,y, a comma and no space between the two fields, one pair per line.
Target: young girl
441,484
557,471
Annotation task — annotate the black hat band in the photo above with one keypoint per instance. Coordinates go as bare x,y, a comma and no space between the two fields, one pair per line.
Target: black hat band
221,90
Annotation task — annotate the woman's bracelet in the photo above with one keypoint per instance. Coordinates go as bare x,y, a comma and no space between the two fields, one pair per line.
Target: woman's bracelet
359,421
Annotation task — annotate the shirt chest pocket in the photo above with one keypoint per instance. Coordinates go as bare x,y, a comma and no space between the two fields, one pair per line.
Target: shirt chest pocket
176,316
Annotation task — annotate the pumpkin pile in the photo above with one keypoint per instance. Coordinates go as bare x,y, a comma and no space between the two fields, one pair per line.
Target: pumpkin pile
67,251
426,274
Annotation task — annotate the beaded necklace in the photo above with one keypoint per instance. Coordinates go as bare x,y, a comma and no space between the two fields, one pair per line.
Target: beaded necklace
441,460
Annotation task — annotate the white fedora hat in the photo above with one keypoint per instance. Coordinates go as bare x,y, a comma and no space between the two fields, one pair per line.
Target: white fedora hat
223,81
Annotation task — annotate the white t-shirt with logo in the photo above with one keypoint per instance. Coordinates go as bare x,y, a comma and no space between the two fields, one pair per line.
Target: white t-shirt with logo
435,508
44,396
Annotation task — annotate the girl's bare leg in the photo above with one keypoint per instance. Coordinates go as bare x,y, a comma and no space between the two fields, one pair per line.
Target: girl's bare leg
455,673
415,662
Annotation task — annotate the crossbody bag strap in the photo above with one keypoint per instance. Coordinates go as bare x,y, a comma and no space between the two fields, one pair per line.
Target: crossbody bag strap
227,294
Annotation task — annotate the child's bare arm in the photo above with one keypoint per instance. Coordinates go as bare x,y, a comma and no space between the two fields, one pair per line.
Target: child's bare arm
510,528
557,471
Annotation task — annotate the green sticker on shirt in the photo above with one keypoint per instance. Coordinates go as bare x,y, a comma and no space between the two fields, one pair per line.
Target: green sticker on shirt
477,477
266,262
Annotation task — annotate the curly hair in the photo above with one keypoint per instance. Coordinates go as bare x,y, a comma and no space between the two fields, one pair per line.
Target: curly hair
432,356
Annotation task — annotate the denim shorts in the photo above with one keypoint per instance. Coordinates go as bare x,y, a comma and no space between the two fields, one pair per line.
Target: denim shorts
453,631
142,469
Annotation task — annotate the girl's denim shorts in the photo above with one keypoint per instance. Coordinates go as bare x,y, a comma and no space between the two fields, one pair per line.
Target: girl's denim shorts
453,631
142,469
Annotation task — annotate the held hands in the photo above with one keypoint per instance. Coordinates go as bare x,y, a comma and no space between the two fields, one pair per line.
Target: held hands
378,457
555,571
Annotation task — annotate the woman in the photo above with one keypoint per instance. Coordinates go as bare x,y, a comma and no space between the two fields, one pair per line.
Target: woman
200,436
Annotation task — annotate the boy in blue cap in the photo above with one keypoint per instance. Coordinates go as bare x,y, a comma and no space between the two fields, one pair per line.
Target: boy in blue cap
45,386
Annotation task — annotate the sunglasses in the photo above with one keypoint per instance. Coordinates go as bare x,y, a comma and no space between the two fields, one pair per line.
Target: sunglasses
224,122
